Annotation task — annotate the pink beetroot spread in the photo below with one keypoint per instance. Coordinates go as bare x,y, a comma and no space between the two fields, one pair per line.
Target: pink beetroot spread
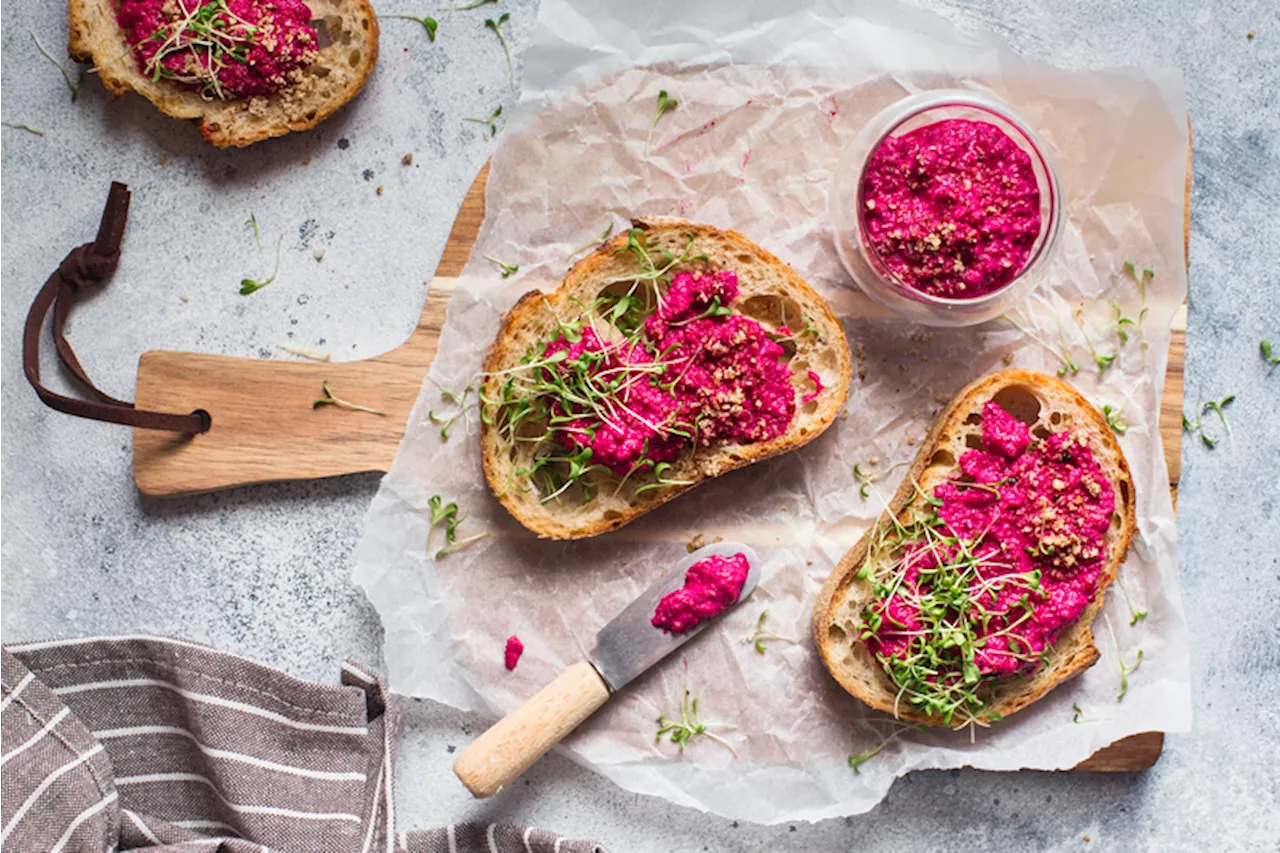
1028,508
226,49
515,648
695,371
952,208
711,586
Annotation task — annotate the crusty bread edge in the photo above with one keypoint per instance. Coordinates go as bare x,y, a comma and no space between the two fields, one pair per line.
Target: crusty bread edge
119,78
530,302
843,574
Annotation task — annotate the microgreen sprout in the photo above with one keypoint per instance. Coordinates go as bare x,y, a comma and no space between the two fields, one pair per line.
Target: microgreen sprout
760,636
1123,325
594,241
491,120
661,480
1125,668
866,478
252,222
681,731
428,23
507,269
28,128
1141,278
461,543
249,285
1078,715
665,105
73,85
474,4
856,761
304,352
459,401
1062,353
496,26
442,513
213,35
1113,418
1102,361
330,399
1135,615
1264,345
1218,407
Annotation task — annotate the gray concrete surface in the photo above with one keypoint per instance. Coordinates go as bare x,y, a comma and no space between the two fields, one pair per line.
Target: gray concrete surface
264,571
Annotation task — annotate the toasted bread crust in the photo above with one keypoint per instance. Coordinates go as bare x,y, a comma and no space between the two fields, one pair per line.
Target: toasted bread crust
337,75
847,658
520,328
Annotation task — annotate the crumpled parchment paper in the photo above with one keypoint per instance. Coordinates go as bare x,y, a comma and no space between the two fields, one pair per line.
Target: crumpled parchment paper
766,101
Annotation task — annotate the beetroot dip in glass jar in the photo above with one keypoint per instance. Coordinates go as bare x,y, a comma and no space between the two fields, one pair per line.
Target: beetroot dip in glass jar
946,208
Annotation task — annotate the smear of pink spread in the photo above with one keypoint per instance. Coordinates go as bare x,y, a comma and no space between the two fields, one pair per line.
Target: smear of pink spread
710,587
953,208
1025,504
280,43
514,649
723,378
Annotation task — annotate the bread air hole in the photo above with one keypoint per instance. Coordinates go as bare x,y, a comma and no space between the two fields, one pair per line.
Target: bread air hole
353,59
836,635
1055,418
973,440
1124,493
1020,402
943,458
642,299
1041,431
774,310
974,419
1116,521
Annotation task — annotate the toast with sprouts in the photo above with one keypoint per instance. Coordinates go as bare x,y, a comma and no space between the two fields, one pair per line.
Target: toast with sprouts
922,667
347,49
591,415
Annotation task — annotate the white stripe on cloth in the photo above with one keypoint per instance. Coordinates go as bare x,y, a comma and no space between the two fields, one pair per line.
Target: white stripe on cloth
37,737
42,787
82,817
203,824
452,837
212,700
327,775
346,667
151,778
525,838
142,826
17,688
493,842
556,848
373,814
404,840
386,763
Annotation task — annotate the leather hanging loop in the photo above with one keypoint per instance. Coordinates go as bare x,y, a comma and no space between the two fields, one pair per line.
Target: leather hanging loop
86,266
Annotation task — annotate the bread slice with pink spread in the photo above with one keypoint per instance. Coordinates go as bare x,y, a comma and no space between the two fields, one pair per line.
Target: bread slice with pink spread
243,70
974,594
674,353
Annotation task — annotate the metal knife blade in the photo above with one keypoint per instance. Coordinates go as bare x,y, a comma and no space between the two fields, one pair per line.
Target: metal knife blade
630,644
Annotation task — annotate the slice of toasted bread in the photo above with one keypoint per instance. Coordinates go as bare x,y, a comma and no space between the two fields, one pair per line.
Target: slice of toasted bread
1048,405
769,292
348,51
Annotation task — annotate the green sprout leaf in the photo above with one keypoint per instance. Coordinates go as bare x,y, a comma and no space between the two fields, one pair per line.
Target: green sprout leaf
496,26
475,4
688,726
459,401
507,269
1142,279
856,761
429,24
665,105
1113,419
760,636
491,120
594,241
72,85
250,285
22,126
1265,347
331,399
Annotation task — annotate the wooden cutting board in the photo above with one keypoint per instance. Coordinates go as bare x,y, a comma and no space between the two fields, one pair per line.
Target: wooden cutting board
264,428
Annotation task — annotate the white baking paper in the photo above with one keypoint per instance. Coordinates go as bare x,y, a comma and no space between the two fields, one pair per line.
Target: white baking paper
767,97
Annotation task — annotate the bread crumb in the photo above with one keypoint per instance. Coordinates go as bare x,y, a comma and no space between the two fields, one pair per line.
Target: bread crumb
844,415
701,541
784,507
808,562
1086,837
185,298
1008,358
873,461
379,190
911,441
902,368
407,159
1249,35
318,254
164,158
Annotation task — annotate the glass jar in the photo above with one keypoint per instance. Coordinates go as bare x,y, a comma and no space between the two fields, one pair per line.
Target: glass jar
848,209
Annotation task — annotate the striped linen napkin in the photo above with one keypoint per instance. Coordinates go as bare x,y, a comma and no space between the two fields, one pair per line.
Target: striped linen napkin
150,743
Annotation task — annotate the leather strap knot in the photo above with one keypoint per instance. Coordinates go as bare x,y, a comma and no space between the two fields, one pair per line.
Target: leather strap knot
83,267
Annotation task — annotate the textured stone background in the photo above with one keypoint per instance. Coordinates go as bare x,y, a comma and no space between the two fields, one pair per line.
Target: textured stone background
264,571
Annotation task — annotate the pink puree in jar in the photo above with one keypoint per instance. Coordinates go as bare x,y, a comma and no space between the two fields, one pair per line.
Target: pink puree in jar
1024,504
952,208
711,586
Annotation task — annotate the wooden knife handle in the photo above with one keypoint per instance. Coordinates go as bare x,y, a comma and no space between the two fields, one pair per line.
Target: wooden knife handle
515,742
